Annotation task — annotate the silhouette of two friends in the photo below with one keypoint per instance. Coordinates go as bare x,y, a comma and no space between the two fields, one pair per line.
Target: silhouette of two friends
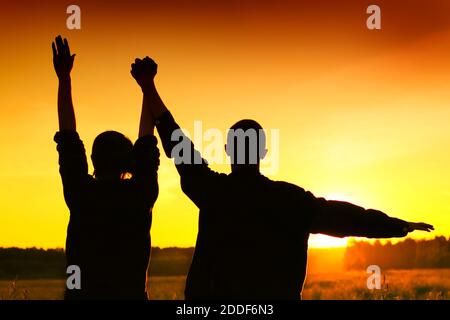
253,232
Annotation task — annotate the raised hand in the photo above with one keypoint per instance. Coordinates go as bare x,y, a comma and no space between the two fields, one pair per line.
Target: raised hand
419,226
62,59
144,72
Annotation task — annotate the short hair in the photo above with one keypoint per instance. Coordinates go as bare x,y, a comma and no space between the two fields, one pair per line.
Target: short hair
246,142
112,154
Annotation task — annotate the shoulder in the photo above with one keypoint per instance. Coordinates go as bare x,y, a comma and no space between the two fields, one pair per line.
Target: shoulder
219,177
291,191
288,187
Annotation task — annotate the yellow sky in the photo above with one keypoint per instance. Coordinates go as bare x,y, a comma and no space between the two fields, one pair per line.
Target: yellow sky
363,117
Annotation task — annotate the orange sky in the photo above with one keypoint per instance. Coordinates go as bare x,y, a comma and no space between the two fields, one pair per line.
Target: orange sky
363,115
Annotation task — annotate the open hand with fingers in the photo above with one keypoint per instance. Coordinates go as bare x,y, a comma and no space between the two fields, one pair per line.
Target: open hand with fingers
144,72
62,58
412,226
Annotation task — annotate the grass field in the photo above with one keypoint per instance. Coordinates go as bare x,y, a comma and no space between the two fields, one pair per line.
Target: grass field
397,284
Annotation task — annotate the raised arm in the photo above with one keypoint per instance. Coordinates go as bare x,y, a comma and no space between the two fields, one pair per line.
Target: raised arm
145,176
147,124
144,72
73,165
196,177
63,63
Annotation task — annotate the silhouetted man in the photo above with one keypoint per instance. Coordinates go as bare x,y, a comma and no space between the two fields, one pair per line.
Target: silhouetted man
253,232
108,236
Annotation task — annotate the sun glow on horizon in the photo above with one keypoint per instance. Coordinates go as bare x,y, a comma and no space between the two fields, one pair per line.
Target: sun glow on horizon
322,241
340,197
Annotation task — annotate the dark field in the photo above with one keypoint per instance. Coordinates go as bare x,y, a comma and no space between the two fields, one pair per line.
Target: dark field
429,284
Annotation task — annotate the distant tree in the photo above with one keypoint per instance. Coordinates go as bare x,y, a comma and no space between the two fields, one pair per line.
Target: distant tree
407,254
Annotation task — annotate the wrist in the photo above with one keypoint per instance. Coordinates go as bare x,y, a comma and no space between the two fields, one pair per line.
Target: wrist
65,78
409,227
148,88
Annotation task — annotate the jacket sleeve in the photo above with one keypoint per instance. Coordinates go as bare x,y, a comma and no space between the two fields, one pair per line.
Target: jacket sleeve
145,175
197,179
341,219
73,166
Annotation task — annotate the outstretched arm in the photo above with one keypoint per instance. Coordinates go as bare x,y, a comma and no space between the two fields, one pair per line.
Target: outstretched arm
63,63
420,226
343,219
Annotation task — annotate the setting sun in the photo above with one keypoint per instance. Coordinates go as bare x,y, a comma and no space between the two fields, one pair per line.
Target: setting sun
322,241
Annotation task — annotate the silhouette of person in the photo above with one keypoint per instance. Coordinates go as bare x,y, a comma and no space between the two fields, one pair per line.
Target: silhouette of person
108,236
253,232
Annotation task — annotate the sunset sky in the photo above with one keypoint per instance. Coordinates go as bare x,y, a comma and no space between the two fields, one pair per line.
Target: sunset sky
363,116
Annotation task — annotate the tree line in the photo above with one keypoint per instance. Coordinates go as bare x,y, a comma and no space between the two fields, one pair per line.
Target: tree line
34,263
406,254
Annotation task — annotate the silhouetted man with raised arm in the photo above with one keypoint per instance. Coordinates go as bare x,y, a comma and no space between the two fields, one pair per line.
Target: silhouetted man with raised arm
253,232
108,236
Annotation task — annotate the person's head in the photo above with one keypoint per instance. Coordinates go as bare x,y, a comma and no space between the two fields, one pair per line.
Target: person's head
246,145
112,155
